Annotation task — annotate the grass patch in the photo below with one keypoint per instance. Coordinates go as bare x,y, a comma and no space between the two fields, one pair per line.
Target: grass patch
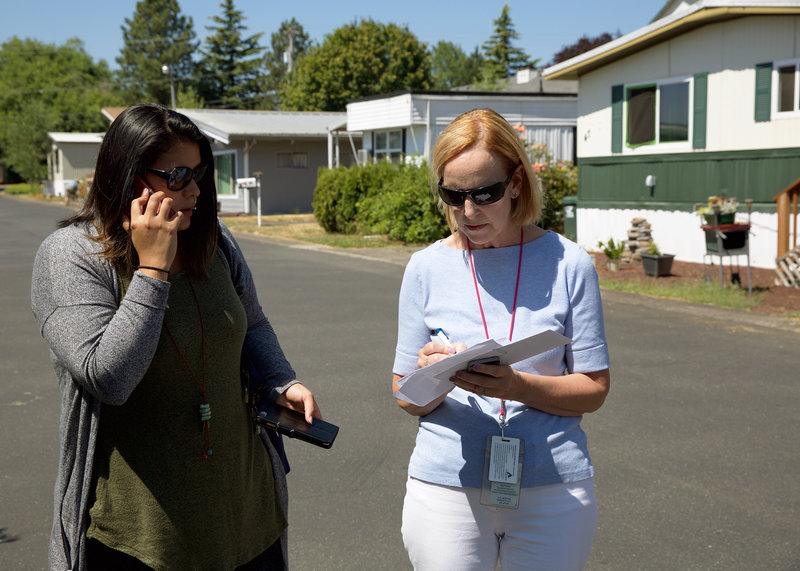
304,227
22,188
691,291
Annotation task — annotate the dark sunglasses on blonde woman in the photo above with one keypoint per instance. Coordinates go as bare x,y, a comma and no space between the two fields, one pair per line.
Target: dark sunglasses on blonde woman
481,196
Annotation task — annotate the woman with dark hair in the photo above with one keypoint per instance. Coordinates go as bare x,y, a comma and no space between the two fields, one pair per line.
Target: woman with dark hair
148,307
500,470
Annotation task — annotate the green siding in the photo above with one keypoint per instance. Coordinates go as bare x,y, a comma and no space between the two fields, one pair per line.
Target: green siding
699,118
763,91
617,96
686,178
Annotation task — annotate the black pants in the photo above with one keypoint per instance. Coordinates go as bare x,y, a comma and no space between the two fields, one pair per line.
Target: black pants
100,557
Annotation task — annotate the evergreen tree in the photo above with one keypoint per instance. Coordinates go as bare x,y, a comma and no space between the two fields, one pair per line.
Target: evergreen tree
157,35
502,57
356,60
280,58
451,67
231,64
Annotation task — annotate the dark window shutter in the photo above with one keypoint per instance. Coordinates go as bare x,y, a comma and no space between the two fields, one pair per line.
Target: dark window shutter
617,92
700,110
763,91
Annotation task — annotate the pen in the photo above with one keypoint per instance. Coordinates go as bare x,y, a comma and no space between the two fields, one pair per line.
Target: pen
442,336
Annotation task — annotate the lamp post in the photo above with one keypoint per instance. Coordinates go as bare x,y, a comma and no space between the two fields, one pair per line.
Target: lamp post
167,70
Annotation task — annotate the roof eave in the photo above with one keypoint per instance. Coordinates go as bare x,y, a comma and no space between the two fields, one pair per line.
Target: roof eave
656,33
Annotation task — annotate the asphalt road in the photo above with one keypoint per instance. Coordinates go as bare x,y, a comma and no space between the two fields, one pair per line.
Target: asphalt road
696,448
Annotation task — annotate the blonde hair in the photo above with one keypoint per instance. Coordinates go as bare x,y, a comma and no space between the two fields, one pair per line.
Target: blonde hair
488,129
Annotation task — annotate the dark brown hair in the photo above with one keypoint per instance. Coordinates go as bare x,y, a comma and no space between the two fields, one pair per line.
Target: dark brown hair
135,139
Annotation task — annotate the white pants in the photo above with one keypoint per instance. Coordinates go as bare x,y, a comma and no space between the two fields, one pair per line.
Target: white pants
448,529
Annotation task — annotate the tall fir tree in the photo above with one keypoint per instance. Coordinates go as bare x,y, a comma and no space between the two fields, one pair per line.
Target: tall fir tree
232,64
157,35
287,45
502,58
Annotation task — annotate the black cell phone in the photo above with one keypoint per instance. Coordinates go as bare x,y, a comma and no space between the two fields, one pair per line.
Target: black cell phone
482,361
293,424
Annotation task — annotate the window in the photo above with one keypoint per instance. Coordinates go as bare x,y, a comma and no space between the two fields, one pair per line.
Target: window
388,144
785,87
658,113
292,160
225,174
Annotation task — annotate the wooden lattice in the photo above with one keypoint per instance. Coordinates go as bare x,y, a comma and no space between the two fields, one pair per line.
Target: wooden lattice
789,268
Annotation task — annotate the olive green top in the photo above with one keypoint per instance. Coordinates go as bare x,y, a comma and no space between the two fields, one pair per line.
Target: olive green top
155,497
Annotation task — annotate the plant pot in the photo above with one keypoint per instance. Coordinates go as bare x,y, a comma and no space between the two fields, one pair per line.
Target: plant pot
657,265
726,218
612,264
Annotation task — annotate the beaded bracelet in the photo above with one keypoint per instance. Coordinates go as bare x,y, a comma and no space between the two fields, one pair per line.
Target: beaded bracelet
152,268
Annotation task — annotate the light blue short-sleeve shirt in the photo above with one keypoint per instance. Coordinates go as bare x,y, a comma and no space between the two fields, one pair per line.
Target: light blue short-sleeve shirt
558,290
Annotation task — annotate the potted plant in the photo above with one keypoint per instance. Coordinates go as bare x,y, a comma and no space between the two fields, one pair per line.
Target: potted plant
613,251
725,209
655,263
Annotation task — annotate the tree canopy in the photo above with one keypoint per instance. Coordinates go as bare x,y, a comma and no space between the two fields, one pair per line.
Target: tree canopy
359,59
502,58
44,87
280,57
156,35
584,44
231,65
451,67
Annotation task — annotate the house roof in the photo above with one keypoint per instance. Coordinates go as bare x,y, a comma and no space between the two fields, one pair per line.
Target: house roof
224,125
683,19
94,138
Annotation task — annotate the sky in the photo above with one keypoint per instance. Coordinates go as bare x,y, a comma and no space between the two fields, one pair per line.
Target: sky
543,27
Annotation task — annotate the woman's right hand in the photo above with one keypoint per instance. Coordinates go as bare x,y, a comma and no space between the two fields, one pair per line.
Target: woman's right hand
153,233
433,351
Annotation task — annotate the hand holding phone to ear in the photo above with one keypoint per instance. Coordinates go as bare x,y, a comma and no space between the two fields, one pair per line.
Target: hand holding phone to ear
153,227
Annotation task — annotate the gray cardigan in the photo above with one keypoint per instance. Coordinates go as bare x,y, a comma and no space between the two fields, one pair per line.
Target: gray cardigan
101,347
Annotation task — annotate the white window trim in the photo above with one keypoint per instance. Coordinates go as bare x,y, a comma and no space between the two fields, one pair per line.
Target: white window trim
658,147
236,195
775,114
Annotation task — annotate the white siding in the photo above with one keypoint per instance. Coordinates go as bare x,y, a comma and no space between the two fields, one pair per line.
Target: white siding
548,120
678,233
377,114
728,52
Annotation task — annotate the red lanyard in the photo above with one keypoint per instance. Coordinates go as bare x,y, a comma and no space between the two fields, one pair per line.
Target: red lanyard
516,287
513,311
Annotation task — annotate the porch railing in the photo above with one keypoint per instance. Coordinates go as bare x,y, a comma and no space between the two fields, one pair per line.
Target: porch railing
788,260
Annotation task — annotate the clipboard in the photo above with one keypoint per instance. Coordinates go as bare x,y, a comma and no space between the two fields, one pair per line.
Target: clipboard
424,385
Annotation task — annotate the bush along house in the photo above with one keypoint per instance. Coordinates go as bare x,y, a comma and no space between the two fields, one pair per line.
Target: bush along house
703,101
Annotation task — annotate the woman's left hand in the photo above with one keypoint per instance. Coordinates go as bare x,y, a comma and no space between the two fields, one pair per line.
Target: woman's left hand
499,381
299,398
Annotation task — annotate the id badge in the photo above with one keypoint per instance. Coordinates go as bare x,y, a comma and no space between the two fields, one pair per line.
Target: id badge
502,472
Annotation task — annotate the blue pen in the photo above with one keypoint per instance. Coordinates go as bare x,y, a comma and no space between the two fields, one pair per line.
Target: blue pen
439,332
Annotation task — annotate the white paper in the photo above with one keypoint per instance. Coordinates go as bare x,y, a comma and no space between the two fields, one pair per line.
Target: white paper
424,385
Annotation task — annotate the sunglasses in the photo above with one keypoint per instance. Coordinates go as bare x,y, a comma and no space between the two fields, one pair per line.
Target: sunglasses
481,196
179,177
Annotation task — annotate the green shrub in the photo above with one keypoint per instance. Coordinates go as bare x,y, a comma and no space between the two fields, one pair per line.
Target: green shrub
379,198
559,179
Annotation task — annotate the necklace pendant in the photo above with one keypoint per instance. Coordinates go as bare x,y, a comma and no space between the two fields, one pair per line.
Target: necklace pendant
205,412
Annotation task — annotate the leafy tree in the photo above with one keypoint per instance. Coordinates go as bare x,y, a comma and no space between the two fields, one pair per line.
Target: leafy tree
157,35
359,59
582,45
277,68
231,63
44,87
451,67
503,59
